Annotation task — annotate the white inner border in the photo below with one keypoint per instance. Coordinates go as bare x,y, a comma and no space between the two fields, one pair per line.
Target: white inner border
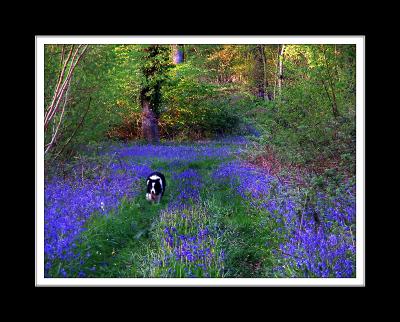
359,41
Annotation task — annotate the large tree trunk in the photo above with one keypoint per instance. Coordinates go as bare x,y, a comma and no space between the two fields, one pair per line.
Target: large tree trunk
150,95
150,130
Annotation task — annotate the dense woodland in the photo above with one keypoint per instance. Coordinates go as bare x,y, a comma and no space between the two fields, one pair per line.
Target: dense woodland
300,99
291,108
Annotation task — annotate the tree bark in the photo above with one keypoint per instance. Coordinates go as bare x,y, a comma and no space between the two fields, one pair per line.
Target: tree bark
55,132
335,109
150,95
276,72
265,82
62,84
280,73
150,130
259,72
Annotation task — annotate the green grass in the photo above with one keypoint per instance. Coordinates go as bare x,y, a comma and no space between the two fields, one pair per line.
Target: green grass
247,231
116,242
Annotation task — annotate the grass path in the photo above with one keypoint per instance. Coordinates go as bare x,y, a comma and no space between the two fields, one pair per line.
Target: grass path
126,243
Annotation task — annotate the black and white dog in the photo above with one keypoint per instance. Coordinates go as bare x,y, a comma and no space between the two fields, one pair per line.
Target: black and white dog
155,186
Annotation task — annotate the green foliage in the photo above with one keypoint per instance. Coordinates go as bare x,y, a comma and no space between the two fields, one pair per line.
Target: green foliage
92,81
300,124
156,62
194,107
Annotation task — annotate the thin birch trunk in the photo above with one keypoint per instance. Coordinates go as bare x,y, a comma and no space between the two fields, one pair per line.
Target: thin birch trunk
63,89
265,84
55,133
335,109
62,86
277,71
280,75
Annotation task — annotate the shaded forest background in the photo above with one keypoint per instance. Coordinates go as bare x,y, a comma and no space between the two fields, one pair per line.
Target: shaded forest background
297,102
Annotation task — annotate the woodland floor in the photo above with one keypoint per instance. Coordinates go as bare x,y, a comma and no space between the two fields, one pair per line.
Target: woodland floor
220,217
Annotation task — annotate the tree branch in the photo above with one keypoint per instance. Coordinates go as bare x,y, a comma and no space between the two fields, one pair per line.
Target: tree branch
60,91
76,129
53,139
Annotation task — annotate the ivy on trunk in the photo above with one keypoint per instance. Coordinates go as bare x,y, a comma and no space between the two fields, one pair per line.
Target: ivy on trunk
154,71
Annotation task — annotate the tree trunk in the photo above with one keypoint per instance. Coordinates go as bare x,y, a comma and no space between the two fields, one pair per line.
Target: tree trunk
280,73
150,130
266,95
150,94
63,83
277,72
335,109
259,71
